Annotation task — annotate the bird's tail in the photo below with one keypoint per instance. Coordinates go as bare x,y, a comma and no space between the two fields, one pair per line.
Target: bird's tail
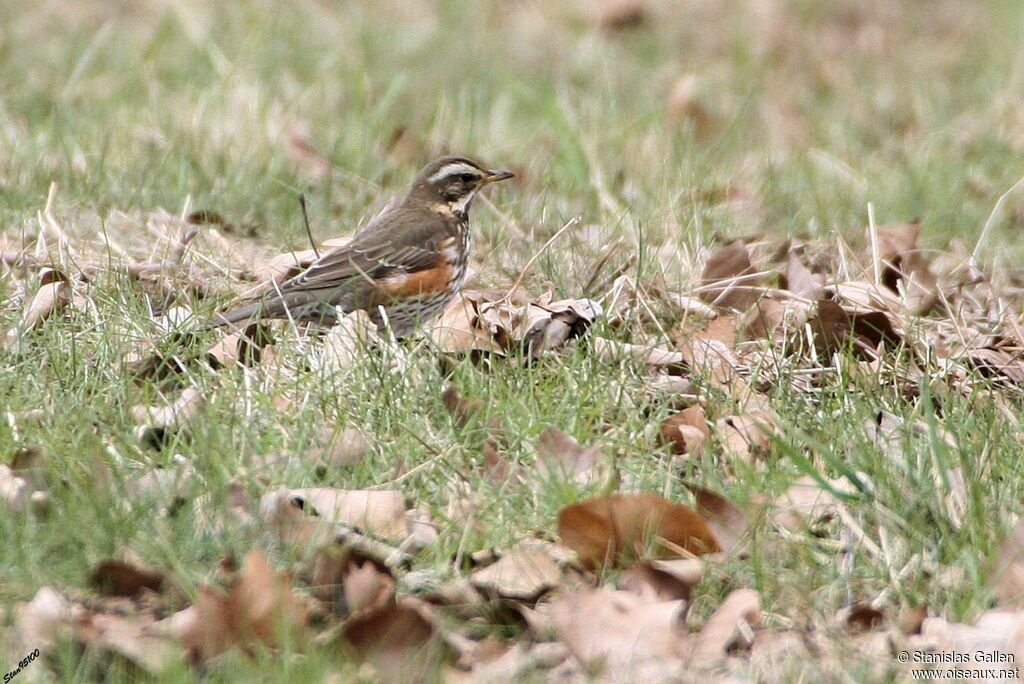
245,313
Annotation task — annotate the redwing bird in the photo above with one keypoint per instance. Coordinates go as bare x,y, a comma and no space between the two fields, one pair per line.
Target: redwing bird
410,261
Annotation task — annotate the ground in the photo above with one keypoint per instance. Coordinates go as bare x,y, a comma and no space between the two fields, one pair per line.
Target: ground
669,129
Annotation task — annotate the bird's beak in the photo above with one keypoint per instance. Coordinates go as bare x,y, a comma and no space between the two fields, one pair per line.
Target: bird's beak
495,176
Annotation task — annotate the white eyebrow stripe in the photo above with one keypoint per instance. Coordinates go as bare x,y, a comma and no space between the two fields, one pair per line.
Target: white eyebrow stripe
453,169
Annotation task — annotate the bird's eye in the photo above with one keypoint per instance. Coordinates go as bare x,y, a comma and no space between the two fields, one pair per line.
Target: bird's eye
467,177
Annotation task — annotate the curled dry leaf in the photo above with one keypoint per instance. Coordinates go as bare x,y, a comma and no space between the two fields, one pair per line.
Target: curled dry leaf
523,572
459,407
561,456
769,318
834,329
686,430
746,437
49,299
663,580
243,348
727,522
904,268
260,608
728,628
603,529
348,581
491,322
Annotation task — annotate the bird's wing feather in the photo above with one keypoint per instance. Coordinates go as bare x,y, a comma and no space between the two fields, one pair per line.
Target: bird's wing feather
374,254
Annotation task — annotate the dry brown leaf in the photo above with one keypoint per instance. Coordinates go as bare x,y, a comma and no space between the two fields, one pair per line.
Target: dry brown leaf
664,580
118,578
459,329
561,456
399,640
524,572
903,266
260,608
727,522
746,437
686,430
131,637
729,280
620,634
498,469
459,407
834,329
348,581
729,627
1007,572
769,318
801,282
485,321
49,299
604,528
998,363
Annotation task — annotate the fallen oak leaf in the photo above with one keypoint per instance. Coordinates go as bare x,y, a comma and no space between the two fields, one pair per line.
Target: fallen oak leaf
686,430
260,608
604,529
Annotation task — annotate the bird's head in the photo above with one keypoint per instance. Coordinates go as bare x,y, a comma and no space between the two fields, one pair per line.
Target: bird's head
451,183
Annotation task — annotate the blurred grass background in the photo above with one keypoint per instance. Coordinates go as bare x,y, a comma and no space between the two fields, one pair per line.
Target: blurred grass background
680,117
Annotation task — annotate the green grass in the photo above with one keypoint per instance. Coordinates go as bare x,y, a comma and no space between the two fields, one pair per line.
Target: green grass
812,113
